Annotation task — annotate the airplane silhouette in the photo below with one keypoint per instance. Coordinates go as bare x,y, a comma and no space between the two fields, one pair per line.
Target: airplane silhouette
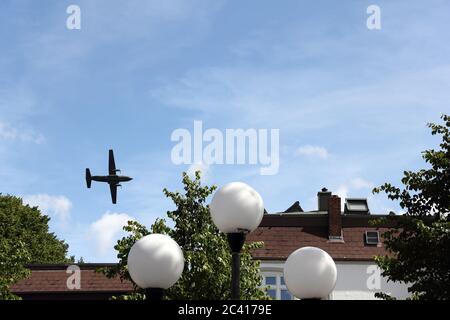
113,179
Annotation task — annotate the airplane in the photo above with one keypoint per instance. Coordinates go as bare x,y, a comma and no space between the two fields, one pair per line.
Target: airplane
113,179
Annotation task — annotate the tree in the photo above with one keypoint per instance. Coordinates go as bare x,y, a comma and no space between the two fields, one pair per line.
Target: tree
419,245
207,270
13,257
24,238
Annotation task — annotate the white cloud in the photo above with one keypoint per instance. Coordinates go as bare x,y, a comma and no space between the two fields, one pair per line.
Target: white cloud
7,132
359,183
312,151
342,192
315,96
198,166
106,231
354,184
53,206
153,22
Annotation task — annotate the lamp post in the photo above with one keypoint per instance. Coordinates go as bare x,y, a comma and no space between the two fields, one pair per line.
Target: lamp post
155,263
310,273
236,209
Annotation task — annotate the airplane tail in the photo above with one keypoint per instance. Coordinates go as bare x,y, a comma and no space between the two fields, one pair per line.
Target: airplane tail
88,178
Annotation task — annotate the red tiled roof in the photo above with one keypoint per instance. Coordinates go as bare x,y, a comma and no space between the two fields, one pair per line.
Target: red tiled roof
284,234
53,279
280,242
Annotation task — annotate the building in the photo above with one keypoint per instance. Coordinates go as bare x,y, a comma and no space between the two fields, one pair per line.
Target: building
346,235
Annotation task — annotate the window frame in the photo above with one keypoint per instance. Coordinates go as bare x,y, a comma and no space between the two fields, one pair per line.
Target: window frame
367,237
278,286
351,202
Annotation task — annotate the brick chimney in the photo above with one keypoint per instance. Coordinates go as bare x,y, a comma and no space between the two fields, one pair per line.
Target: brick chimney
322,199
334,219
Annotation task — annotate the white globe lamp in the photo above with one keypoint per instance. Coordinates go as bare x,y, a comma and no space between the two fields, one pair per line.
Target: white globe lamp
236,209
155,263
310,273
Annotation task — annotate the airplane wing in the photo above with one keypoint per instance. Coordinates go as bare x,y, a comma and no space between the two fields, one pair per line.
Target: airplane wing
113,189
111,163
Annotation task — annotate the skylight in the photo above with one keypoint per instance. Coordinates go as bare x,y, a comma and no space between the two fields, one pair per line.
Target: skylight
353,205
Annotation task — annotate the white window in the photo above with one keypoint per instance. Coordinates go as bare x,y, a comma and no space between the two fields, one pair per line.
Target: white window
372,237
276,288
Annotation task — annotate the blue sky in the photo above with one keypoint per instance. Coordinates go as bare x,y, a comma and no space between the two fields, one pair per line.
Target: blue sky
351,103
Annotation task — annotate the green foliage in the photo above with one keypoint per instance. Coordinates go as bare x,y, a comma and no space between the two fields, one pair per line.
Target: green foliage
13,257
207,272
419,245
384,296
24,238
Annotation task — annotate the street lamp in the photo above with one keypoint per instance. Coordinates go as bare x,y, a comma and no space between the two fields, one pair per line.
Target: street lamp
155,263
236,209
310,273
